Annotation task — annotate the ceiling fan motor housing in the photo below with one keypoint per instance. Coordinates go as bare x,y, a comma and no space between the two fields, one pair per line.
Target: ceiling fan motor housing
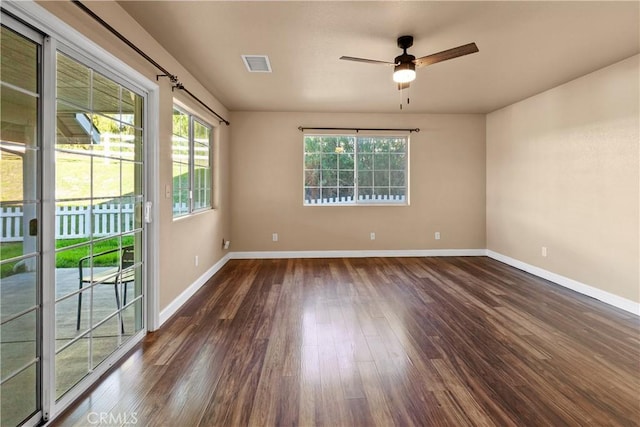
405,42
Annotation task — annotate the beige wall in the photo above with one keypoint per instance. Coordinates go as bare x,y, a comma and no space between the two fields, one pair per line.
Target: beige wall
201,235
562,172
447,173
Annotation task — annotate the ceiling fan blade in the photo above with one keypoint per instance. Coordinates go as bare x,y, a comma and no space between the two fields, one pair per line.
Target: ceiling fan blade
403,85
446,54
369,61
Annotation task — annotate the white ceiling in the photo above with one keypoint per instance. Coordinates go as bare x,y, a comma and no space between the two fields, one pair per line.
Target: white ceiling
525,48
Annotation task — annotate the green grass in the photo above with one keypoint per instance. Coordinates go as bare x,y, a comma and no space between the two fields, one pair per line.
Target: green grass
68,258
9,250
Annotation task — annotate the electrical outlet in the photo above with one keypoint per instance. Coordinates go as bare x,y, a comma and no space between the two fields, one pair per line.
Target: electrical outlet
544,251
437,235
227,243
274,237
197,261
373,236
167,191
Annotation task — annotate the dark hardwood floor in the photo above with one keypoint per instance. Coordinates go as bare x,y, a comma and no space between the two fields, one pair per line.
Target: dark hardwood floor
379,342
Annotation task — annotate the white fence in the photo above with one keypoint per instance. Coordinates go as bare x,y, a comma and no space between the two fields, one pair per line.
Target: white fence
73,221
374,199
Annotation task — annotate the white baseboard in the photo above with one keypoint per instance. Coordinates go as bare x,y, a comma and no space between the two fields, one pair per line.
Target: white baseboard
357,254
606,297
175,305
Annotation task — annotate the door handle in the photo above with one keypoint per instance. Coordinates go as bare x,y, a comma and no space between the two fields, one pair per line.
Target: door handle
33,227
147,212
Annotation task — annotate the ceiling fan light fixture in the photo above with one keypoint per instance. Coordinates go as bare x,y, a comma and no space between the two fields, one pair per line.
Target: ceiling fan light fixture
404,73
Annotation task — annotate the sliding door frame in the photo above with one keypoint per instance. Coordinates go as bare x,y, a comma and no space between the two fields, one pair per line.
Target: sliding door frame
61,37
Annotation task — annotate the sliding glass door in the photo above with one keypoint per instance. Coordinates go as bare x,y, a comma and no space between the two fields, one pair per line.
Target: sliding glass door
72,224
99,227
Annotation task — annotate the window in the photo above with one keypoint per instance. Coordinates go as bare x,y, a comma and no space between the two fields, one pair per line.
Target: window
191,153
350,169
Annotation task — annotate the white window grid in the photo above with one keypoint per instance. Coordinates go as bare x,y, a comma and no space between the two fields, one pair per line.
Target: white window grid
375,193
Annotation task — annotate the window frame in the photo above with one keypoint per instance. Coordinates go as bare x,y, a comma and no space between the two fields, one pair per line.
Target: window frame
356,186
192,119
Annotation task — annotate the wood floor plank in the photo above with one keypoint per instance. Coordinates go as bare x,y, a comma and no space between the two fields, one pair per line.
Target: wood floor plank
379,342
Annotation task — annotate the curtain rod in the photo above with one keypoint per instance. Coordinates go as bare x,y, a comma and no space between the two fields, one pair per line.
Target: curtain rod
172,77
302,129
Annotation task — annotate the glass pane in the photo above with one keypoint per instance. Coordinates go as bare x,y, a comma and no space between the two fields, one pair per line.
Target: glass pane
106,178
201,155
345,161
329,161
75,129
328,144
201,134
105,133
19,116
131,213
345,194
105,303
329,194
312,177
131,108
365,179
135,240
128,142
18,282
346,178
381,145
18,175
398,145
329,178
312,161
131,178
381,161
67,317
18,397
73,81
106,95
398,161
397,179
365,162
181,202
381,193
312,195
312,144
72,364
180,124
398,194
133,289
366,145
105,340
381,178
202,187
132,318
73,176
19,61
17,343
365,193
68,263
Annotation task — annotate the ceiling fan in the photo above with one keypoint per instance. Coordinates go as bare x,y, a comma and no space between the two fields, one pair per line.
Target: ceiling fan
405,65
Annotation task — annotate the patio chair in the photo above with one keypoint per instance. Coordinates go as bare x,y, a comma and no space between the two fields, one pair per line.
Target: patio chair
110,276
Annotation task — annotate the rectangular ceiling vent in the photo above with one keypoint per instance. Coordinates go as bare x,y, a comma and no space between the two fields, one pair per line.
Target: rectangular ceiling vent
257,63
